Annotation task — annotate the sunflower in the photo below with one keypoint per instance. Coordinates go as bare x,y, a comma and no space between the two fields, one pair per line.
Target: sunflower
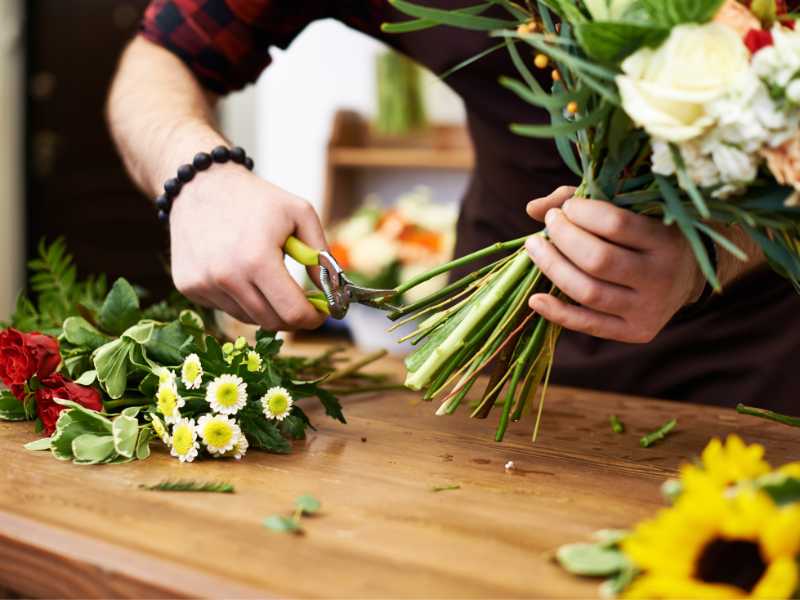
713,545
725,464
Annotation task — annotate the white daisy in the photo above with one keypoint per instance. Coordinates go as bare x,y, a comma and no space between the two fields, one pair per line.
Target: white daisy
165,376
240,449
168,402
254,361
184,440
219,433
227,394
160,429
277,403
192,372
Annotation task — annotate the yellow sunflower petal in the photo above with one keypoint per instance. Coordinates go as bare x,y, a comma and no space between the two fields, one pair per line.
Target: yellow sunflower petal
748,514
779,581
791,470
781,535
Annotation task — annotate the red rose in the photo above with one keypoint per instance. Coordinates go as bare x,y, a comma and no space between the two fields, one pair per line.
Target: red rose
58,387
756,39
23,355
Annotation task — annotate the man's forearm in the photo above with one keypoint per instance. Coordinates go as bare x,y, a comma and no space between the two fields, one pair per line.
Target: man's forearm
159,114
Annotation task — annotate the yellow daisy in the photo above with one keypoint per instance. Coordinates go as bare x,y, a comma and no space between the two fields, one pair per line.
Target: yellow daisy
227,394
219,433
727,463
192,372
277,403
254,361
184,440
712,546
168,402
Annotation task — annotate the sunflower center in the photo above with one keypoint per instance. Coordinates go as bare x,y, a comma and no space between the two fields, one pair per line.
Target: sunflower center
732,562
227,394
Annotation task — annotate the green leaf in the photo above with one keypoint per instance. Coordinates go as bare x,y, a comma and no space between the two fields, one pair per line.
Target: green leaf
187,485
87,379
593,560
282,524
458,19
120,309
332,407
307,504
81,333
165,344
668,13
11,409
89,448
141,333
111,363
549,131
612,42
264,435
143,444
420,24
38,445
125,431
782,489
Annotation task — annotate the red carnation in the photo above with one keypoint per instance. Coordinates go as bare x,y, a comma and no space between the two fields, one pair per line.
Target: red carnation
756,39
58,387
23,355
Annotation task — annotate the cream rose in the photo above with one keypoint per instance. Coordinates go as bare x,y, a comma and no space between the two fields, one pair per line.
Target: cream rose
666,90
607,10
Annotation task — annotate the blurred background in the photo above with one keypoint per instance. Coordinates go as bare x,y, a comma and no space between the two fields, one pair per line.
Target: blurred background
374,142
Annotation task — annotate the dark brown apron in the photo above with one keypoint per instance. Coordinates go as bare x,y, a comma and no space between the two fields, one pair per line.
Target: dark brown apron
739,347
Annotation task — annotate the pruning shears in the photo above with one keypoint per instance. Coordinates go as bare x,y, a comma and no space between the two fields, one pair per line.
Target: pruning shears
338,290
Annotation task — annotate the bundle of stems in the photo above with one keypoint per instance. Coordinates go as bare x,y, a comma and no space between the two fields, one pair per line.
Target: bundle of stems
480,320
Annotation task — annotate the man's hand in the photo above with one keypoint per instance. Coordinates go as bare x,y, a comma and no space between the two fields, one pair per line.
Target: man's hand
228,228
628,273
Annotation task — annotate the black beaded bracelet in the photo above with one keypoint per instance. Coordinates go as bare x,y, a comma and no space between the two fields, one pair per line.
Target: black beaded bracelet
201,162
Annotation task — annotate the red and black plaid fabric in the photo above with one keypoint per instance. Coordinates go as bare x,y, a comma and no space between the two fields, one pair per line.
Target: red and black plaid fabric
226,42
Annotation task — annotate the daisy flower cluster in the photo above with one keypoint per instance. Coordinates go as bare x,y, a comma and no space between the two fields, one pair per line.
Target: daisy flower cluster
212,406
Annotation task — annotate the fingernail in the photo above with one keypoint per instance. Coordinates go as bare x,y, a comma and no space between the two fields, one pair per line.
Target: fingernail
532,245
550,216
566,205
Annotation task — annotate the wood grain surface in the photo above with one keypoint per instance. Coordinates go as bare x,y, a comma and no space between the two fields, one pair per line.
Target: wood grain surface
78,531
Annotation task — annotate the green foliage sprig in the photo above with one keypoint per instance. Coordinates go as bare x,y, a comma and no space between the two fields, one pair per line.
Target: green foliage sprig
188,485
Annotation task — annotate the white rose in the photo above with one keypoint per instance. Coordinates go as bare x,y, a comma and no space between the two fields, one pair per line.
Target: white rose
666,90
607,10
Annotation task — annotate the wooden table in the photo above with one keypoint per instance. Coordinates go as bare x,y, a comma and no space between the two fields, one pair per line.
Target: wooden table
76,531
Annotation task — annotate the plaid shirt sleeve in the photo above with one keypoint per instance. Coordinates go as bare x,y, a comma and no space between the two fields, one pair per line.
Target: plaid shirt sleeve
226,43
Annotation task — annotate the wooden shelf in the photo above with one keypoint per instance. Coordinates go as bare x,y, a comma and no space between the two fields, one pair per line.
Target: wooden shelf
355,148
403,158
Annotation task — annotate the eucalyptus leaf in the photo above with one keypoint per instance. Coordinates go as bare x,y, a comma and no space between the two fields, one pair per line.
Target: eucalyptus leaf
111,363
87,379
282,524
120,309
125,431
38,445
89,448
591,559
307,504
81,333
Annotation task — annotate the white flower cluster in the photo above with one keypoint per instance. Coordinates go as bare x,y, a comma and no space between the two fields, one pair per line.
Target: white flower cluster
721,134
217,431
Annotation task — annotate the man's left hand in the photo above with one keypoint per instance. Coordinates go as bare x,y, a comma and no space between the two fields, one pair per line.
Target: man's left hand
628,274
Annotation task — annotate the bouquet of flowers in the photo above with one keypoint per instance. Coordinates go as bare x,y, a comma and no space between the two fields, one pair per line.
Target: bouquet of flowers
106,377
380,247
732,531
683,110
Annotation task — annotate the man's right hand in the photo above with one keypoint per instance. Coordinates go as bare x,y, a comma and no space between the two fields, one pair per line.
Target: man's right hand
228,228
